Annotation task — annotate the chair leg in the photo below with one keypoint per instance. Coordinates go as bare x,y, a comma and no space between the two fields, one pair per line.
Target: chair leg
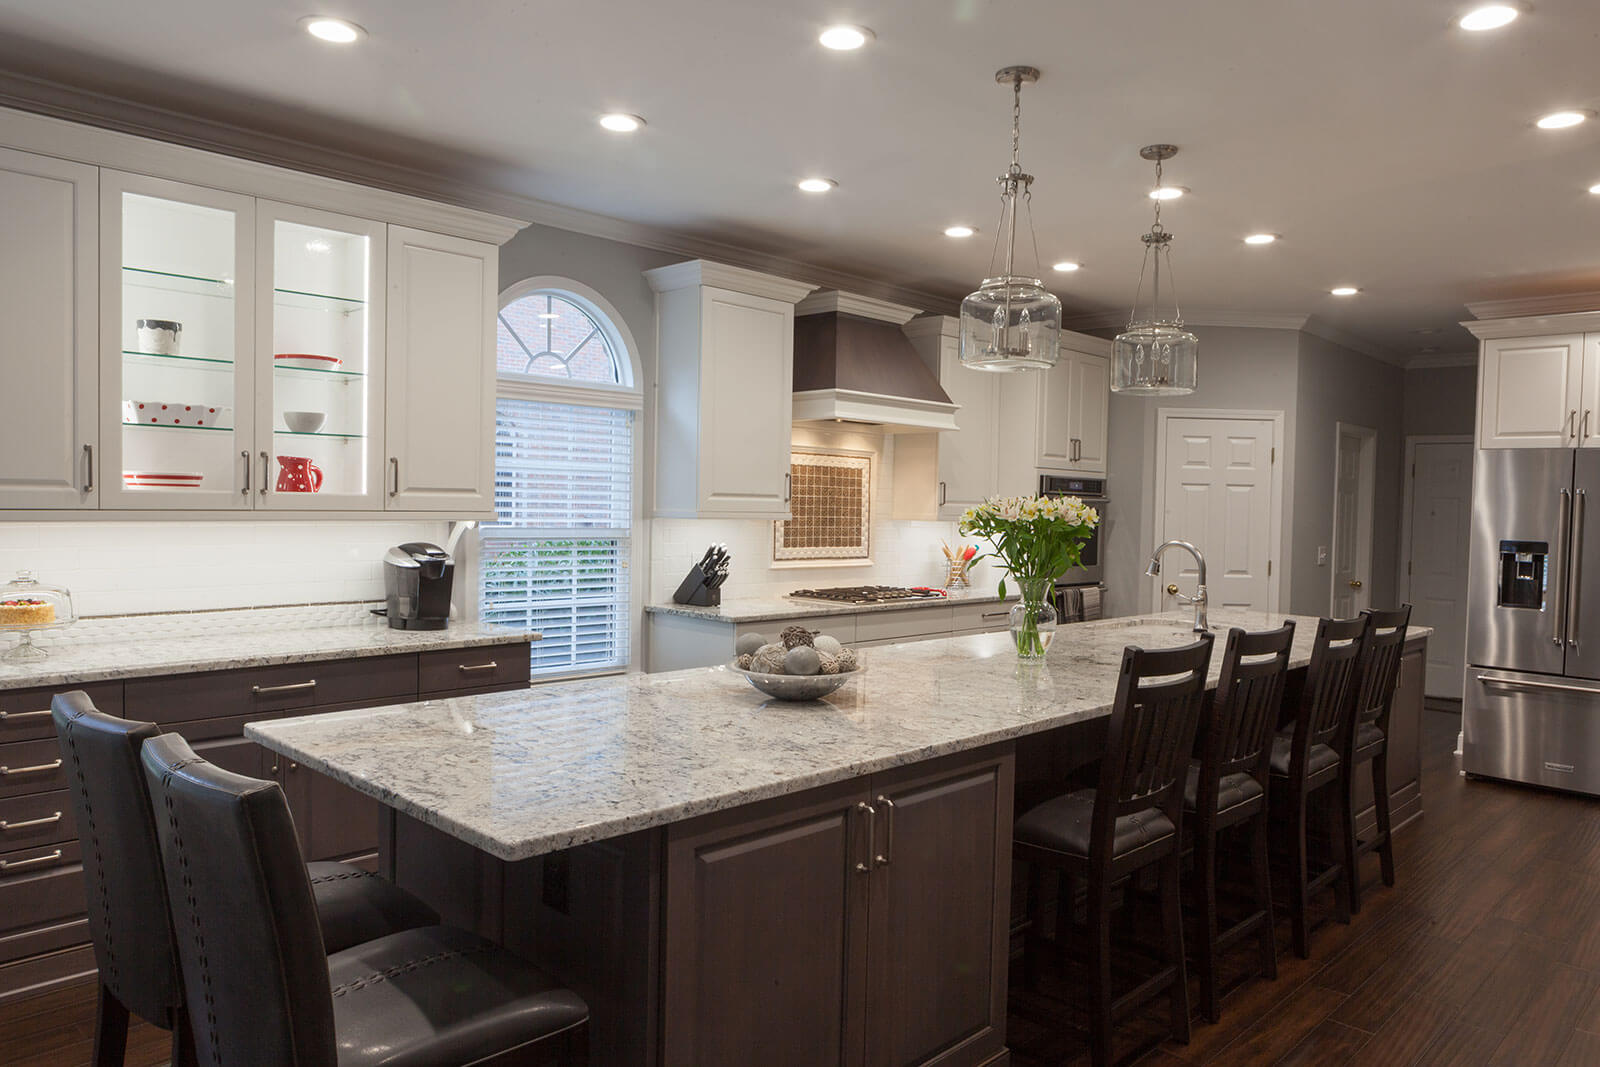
183,1050
1297,892
1100,993
1172,920
1031,937
1380,801
1342,824
110,1030
1205,894
1262,869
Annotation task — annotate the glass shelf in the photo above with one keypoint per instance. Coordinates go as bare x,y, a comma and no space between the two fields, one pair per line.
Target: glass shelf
322,433
161,359
347,375
159,426
296,298
193,284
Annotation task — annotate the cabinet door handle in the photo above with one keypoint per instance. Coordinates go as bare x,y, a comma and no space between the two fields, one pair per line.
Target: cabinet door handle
943,493
8,715
788,487
871,815
264,460
295,687
6,772
1572,424
48,820
88,468
465,667
246,456
1583,431
886,857
394,470
17,865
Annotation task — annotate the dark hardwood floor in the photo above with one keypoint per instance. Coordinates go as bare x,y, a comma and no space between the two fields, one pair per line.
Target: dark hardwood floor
1486,951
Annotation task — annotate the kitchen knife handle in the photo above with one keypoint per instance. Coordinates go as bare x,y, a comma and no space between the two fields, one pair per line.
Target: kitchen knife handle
871,816
1558,616
88,468
1575,568
886,857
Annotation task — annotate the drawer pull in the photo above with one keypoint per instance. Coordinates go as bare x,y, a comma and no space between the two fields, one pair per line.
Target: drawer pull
17,865
7,716
35,769
295,687
996,615
49,820
464,668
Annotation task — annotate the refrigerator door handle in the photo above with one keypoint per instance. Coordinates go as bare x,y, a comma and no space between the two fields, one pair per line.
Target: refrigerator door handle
1528,683
1563,532
1575,569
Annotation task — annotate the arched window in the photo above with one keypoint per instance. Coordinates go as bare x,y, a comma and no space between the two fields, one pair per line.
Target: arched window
558,556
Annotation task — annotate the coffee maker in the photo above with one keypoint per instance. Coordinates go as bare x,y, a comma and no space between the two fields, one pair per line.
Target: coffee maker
416,579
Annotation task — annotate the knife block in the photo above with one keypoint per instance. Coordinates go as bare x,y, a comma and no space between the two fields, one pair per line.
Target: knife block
693,590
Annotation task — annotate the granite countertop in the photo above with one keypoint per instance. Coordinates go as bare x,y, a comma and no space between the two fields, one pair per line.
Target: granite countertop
134,646
765,608
525,773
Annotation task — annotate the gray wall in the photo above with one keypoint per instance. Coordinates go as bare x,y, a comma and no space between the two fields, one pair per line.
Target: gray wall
1338,385
1441,400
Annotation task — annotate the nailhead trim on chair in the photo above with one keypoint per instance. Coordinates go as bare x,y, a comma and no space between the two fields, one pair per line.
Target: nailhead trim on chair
109,980
194,918
407,967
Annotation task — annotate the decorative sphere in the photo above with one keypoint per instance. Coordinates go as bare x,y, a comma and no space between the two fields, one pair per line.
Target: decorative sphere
747,645
802,659
827,643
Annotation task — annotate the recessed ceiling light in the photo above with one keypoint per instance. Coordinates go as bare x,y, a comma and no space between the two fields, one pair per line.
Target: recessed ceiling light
1261,239
1066,266
1167,192
332,30
817,185
959,231
1488,17
845,38
1562,120
1344,290
621,122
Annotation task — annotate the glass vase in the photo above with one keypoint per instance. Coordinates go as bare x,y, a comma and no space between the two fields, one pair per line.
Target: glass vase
1033,625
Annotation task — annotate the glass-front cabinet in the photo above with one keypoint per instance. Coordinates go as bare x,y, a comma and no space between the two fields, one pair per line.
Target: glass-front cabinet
319,365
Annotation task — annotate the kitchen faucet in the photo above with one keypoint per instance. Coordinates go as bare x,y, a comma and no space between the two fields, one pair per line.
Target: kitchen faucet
1199,598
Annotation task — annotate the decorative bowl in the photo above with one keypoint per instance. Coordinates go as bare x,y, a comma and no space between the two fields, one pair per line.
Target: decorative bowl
304,421
796,686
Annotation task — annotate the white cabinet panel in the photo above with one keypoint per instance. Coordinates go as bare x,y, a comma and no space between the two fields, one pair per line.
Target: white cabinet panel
1087,410
1530,392
746,384
968,457
48,302
1589,419
1053,432
439,418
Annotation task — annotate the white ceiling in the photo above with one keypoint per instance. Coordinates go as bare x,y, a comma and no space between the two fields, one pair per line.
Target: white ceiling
1392,150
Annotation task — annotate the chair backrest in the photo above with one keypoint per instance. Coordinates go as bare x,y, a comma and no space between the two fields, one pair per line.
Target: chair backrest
254,971
1244,713
1160,697
1378,669
122,878
1329,695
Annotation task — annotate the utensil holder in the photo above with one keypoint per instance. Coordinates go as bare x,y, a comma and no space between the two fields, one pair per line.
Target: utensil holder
957,576
693,590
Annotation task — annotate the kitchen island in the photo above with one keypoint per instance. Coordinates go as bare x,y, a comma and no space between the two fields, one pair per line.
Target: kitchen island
729,879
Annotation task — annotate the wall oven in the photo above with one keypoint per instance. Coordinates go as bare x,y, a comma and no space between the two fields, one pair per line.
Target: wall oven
1091,491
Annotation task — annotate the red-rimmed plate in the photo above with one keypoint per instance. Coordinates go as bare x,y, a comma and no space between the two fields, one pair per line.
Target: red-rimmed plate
307,361
161,479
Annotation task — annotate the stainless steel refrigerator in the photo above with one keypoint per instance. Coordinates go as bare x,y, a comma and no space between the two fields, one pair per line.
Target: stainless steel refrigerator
1531,711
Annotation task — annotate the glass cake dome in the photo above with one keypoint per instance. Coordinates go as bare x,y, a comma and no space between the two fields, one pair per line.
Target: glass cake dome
28,605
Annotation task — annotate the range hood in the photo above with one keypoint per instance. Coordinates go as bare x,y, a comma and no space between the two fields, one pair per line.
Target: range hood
852,365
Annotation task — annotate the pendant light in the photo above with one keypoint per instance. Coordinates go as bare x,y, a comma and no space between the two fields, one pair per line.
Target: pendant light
1155,355
1012,323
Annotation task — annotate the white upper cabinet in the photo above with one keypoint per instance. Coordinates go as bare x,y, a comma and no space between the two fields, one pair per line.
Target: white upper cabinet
439,418
1529,392
1056,420
1088,407
964,462
1589,393
725,352
48,282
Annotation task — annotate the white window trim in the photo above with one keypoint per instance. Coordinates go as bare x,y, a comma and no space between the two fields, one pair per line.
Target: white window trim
606,317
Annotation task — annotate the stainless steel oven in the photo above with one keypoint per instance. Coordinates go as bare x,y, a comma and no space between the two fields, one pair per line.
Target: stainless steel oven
1091,491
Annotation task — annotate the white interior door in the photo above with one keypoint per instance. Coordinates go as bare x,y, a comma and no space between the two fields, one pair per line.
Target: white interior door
1354,474
1217,490
1439,521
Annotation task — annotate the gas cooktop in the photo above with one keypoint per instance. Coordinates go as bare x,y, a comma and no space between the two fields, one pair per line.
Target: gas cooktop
868,594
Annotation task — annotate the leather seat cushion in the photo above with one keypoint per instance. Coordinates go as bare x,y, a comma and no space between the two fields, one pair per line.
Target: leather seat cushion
438,995
1319,758
1063,824
1234,790
1368,736
354,905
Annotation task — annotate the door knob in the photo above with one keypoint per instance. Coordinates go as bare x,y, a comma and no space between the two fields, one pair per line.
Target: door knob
1172,589
1355,583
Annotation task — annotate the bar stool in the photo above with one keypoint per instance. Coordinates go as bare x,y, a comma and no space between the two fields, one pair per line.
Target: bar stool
1129,822
261,989
127,897
1305,760
1227,787
1367,737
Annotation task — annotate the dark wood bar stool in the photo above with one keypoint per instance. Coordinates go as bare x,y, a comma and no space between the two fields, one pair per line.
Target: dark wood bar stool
1227,787
1305,761
126,896
260,987
1367,737
1131,821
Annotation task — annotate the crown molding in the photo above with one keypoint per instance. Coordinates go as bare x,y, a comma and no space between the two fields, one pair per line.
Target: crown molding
1257,320
1533,325
947,327
832,300
723,276
1437,360
1523,307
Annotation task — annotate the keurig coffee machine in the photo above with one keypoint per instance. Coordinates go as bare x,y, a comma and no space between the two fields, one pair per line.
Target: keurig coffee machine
416,578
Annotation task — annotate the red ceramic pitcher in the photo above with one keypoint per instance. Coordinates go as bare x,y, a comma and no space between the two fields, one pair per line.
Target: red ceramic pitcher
298,475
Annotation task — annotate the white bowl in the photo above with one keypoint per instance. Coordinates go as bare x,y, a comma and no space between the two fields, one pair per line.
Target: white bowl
796,686
305,421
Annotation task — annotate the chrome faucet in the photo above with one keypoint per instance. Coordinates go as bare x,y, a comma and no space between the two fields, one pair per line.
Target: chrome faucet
1199,598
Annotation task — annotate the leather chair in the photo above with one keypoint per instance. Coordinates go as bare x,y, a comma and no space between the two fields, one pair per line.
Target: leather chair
1227,787
1129,822
1305,761
261,989
1366,737
127,895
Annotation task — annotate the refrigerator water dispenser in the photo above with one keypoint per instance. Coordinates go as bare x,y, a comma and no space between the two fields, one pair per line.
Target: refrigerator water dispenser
1523,566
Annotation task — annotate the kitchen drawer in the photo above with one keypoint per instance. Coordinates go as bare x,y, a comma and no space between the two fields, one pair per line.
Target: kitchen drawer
37,819
25,713
46,960
876,626
44,896
978,618
451,669
841,626
251,691
31,767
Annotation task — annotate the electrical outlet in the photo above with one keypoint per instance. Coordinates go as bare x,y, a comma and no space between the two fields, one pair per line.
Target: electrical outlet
1322,555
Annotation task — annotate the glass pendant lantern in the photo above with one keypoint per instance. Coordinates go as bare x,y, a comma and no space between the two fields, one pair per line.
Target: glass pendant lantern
1155,355
1012,322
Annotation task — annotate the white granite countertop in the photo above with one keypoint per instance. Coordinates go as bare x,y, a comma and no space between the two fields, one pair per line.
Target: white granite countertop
525,773
134,646
764,608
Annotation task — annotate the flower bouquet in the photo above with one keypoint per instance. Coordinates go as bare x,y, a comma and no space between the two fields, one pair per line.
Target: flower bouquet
1036,539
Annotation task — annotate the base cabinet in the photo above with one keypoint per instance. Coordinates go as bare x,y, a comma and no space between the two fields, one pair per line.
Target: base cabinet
895,886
